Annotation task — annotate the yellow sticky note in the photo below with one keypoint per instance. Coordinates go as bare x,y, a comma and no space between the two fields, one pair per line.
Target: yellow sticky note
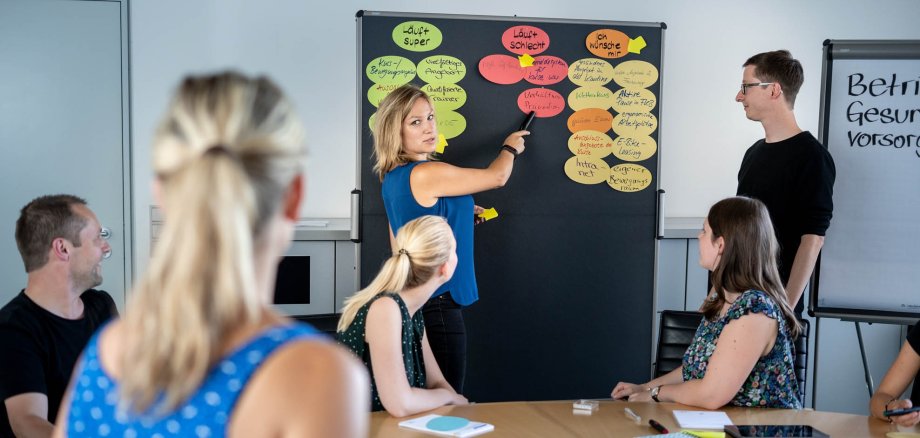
703,433
525,60
489,213
442,143
636,45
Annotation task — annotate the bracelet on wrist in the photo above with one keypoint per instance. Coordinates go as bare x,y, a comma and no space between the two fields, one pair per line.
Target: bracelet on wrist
514,152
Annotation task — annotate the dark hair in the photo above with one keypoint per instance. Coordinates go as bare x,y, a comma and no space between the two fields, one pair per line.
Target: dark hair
749,256
779,66
41,221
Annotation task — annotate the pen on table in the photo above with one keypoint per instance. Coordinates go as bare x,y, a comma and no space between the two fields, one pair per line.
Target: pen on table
657,426
632,415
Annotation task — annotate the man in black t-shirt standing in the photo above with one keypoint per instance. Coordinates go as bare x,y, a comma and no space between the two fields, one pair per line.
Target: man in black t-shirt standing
45,327
788,170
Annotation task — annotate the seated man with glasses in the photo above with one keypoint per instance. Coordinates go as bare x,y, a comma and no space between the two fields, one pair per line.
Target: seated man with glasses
45,327
788,170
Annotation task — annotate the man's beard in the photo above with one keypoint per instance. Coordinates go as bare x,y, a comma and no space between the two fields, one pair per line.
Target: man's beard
90,280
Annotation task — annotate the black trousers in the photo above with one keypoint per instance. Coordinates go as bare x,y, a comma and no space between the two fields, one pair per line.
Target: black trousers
447,336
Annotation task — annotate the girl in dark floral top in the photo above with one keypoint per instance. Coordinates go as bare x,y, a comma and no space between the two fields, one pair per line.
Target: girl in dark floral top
382,324
742,352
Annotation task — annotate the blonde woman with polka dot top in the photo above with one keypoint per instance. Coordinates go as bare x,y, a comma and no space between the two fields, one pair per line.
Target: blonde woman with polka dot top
199,351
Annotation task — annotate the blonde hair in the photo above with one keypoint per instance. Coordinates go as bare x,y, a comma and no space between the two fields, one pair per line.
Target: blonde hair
748,258
388,121
425,244
225,153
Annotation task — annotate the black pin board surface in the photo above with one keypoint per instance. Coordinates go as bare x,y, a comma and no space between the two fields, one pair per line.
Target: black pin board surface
869,122
566,270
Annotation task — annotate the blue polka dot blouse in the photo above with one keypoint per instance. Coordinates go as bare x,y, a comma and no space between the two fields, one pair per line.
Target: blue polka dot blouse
95,409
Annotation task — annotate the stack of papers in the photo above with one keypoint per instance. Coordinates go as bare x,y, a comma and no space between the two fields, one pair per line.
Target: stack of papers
702,419
447,426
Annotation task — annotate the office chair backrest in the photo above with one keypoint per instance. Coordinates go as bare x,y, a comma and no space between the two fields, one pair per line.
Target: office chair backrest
675,332
800,364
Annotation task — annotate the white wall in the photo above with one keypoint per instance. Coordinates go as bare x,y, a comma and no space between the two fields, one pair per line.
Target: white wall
309,48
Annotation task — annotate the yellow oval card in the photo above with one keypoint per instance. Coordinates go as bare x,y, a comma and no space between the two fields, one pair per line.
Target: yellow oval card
417,36
634,148
445,96
586,170
390,70
590,97
590,144
635,74
377,92
629,124
441,69
629,177
590,71
633,100
450,123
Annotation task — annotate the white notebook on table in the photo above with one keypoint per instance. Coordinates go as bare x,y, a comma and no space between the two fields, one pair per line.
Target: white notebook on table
447,426
702,419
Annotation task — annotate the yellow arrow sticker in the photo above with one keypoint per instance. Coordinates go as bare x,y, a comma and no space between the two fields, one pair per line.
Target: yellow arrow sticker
636,45
525,60
442,143
489,213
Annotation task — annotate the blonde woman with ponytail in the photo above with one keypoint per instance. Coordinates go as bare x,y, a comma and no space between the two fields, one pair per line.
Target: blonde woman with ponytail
382,324
199,351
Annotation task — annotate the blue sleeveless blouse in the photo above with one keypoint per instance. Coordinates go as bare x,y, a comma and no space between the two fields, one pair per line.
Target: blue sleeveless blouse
401,207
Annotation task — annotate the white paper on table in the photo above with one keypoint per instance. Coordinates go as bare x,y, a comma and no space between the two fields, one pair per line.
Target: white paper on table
702,419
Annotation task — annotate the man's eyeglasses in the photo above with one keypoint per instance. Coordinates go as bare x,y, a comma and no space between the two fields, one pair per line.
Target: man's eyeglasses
105,234
744,86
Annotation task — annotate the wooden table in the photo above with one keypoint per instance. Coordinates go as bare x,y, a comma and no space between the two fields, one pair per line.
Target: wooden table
556,419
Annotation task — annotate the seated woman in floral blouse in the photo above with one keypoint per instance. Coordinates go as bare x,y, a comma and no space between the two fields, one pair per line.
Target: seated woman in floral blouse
742,351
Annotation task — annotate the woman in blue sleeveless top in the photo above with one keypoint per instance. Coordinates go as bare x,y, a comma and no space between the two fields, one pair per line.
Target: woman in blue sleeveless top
405,135
199,351
383,326
742,351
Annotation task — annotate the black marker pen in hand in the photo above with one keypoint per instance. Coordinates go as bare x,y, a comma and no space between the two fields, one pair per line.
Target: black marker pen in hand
526,125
